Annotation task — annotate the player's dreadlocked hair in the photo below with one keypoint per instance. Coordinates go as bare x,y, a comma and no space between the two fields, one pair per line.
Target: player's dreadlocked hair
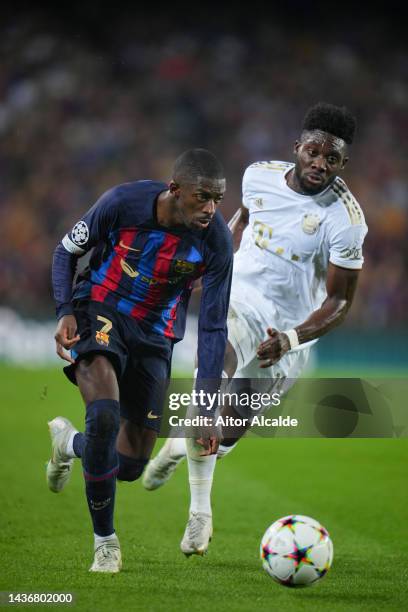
197,163
336,120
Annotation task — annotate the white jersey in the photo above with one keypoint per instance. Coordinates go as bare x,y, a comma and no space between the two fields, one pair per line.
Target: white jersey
281,266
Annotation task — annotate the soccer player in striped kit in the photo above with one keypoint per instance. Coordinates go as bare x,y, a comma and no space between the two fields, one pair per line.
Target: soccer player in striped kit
121,318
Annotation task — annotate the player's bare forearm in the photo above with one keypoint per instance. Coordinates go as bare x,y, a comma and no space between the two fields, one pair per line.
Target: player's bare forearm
330,315
341,285
237,225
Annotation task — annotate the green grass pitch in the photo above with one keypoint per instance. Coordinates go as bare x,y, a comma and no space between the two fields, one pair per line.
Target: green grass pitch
356,488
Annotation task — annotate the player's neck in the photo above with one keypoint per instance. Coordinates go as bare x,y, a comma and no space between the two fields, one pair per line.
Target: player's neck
166,213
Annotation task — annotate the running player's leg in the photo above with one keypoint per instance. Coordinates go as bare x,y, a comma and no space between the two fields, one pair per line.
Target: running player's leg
142,392
244,335
100,360
198,530
134,445
97,381
67,441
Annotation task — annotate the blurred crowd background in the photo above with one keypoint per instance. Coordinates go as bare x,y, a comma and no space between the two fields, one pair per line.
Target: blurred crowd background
83,108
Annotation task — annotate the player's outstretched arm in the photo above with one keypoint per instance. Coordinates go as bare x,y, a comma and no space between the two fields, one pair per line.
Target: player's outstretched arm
212,326
340,286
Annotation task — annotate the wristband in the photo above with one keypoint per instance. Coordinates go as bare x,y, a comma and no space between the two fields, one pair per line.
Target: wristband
293,338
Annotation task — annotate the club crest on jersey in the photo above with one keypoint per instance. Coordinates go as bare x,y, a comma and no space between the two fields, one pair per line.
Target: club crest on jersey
184,267
102,338
310,223
80,233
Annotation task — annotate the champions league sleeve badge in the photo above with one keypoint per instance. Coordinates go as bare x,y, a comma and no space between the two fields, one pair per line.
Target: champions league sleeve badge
310,223
80,233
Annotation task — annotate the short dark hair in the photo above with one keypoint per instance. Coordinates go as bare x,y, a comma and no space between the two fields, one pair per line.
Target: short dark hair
195,163
336,120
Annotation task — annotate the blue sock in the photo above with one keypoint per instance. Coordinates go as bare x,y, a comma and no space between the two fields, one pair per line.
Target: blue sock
100,462
78,443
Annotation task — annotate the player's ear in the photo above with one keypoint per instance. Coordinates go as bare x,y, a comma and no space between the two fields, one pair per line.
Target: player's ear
174,188
296,147
344,162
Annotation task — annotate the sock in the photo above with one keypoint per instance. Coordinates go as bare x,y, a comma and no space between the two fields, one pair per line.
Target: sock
75,445
99,540
224,450
100,462
200,470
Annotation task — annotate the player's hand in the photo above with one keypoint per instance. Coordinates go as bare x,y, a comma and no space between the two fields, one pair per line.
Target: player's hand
209,437
66,336
270,351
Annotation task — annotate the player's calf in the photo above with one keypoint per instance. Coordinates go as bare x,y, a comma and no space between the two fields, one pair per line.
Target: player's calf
100,462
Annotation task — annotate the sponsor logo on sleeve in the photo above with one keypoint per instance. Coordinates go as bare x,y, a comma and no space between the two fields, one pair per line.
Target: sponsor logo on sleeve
352,253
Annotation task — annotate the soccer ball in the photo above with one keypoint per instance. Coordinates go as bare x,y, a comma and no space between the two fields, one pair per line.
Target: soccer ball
296,551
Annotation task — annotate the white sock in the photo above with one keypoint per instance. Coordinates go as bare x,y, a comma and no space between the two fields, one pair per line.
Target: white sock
70,446
102,539
201,470
224,450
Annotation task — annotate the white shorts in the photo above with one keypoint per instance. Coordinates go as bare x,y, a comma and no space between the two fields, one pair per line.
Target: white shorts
246,331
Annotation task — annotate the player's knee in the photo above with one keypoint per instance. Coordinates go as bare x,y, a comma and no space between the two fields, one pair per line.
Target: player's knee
130,469
102,419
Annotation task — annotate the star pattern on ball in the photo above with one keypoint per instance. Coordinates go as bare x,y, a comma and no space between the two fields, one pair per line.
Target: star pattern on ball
323,532
323,571
290,522
300,555
267,552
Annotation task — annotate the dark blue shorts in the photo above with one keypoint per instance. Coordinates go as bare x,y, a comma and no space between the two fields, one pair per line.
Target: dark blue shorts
142,359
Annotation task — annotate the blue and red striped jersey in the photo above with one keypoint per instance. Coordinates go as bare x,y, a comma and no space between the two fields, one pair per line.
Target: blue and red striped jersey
146,271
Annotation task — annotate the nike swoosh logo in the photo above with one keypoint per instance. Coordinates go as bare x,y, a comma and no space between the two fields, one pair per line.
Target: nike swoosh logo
129,248
150,415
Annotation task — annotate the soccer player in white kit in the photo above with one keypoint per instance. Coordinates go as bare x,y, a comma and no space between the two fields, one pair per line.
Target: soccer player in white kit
300,233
